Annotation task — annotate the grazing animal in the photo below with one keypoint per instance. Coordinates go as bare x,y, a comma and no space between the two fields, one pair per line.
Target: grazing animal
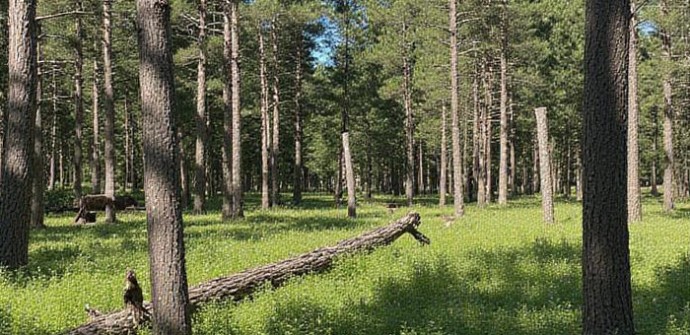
134,297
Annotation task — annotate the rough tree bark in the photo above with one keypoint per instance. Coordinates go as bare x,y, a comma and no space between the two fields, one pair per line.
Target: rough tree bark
232,10
443,168
78,102
275,134
38,172
53,133
409,119
109,109
241,285
297,172
634,197
3,73
265,124
345,114
544,164
458,194
15,195
488,131
503,145
227,121
605,256
668,114
201,117
162,180
95,140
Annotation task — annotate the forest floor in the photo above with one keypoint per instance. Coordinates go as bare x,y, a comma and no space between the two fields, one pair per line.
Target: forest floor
495,271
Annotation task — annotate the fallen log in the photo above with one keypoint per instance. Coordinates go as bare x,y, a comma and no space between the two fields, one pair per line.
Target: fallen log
241,285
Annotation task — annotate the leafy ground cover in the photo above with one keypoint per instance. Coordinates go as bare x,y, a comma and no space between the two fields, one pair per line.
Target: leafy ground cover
496,271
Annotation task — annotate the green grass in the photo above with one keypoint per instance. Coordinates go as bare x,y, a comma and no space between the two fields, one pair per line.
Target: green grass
496,271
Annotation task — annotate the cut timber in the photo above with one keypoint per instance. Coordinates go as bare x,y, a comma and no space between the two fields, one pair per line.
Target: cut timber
239,286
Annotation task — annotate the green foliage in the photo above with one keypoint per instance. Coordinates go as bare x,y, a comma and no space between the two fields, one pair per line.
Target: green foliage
59,199
496,271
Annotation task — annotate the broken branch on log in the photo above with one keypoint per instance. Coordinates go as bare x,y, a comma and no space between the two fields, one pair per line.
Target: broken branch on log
241,285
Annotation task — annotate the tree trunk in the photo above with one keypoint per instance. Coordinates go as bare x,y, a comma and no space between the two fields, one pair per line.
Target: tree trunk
3,74
241,285
443,169
578,176
458,197
201,117
227,209
655,148
536,179
95,141
237,202
544,165
421,186
78,103
482,152
297,176
171,315
605,256
15,195
476,137
409,126
634,197
345,131
265,125
109,106
53,135
184,174
488,132
275,143
503,145
668,115
37,166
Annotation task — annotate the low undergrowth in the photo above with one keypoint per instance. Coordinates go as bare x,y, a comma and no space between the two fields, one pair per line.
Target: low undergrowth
495,271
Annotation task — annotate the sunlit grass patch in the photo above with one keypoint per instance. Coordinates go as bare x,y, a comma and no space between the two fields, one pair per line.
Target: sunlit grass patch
498,270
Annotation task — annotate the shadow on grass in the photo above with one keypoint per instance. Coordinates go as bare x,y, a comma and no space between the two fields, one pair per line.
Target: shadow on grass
511,291
665,307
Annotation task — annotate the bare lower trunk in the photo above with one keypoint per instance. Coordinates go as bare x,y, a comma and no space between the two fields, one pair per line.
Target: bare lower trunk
503,145
458,196
78,104
237,201
171,314
297,174
545,165
15,195
201,117
265,126
227,122
38,184
409,130
350,177
53,135
488,132
109,106
443,169
606,284
668,117
95,141
634,205
275,143
655,148
185,195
